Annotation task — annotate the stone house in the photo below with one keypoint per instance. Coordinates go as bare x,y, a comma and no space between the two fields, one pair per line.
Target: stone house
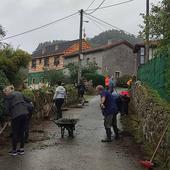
115,58
51,57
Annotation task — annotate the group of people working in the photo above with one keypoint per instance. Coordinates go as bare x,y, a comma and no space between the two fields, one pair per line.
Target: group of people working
21,109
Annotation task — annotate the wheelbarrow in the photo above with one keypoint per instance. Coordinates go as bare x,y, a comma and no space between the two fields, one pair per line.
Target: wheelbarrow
66,124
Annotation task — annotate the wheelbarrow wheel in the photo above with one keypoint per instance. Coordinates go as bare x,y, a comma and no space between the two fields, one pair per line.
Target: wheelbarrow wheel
70,132
62,132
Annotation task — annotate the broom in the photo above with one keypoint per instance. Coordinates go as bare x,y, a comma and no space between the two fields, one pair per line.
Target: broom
148,164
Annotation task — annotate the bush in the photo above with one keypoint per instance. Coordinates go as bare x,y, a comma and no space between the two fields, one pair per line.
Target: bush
28,93
53,76
42,100
97,79
122,81
3,83
72,94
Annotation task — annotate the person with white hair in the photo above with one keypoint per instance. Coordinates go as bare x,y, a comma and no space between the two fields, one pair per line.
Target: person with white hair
109,110
16,107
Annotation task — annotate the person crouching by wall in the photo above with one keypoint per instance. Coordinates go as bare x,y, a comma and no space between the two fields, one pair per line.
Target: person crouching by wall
16,107
59,96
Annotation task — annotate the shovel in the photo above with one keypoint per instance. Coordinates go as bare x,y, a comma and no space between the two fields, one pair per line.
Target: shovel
148,164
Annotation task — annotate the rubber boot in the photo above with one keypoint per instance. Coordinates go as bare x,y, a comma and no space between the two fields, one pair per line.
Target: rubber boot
108,133
116,132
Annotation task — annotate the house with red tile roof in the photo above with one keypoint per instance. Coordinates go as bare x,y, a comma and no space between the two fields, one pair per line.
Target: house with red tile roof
52,57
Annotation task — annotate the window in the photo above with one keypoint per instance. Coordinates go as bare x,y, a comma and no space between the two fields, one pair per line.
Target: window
142,59
117,74
88,59
40,61
43,80
34,63
43,51
46,62
142,55
56,61
142,51
33,81
56,47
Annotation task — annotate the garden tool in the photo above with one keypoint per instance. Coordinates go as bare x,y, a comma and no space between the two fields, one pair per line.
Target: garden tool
148,164
5,125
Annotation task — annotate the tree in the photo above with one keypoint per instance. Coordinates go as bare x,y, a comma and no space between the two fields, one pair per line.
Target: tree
12,61
91,67
53,76
2,32
3,83
87,71
73,71
159,23
115,35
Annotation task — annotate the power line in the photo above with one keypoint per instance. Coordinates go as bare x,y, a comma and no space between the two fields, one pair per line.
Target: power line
95,22
109,24
97,7
91,4
40,27
108,6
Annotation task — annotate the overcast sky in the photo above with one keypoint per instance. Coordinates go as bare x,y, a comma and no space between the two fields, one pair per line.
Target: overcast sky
17,16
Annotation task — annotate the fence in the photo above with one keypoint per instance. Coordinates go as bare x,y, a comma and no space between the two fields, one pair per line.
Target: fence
155,73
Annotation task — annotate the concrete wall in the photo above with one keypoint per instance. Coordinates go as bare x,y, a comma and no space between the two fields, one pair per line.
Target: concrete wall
120,59
94,57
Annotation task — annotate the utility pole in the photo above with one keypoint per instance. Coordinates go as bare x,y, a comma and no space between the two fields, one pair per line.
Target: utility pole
147,33
80,45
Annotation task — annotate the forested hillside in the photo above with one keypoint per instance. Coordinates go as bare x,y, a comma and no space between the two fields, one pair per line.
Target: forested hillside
100,39
113,35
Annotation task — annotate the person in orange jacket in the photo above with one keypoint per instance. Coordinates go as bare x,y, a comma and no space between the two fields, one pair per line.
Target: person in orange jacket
107,81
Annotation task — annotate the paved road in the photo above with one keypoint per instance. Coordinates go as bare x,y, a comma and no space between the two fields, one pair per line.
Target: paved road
84,152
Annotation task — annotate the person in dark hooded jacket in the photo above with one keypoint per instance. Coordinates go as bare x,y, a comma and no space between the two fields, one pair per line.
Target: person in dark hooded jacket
16,107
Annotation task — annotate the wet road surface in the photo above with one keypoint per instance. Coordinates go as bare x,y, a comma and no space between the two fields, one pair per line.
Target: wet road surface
84,152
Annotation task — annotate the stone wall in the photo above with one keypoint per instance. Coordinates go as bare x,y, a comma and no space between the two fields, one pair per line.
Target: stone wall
151,115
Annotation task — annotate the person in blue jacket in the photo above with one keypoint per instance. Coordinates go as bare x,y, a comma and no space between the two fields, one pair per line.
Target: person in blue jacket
109,110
